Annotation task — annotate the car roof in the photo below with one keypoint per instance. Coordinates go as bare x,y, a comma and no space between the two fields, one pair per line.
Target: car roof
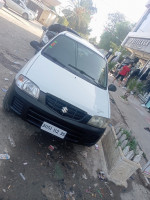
81,41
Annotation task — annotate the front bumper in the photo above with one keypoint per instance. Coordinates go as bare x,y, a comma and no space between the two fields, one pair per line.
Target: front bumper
36,112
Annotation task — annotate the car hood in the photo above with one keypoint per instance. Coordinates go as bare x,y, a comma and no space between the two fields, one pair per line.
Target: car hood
55,80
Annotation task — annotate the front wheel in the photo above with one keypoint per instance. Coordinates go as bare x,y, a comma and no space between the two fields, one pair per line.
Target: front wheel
25,16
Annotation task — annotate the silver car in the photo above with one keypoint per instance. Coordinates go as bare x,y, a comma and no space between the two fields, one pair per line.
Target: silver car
20,7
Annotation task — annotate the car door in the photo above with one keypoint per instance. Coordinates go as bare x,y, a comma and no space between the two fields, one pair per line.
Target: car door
19,7
10,3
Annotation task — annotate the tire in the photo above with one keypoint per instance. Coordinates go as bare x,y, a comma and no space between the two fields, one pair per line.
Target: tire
25,16
6,101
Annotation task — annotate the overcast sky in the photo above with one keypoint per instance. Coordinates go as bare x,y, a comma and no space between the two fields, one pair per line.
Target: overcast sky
132,9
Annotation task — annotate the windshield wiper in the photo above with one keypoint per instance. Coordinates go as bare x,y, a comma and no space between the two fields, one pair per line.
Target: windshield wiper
84,73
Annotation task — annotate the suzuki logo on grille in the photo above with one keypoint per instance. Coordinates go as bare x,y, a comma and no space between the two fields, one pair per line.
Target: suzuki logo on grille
64,109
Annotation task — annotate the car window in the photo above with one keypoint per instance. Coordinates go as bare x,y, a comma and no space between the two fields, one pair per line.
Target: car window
77,57
63,50
92,64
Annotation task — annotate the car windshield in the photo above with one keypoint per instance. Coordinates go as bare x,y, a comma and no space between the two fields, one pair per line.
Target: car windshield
77,58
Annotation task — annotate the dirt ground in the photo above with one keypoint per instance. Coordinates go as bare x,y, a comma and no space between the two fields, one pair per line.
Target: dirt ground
68,172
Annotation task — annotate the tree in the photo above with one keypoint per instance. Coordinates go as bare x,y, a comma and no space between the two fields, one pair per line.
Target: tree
115,31
93,41
106,38
78,14
113,19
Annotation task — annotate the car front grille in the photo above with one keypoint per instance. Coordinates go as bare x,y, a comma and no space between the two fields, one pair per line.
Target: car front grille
37,118
61,106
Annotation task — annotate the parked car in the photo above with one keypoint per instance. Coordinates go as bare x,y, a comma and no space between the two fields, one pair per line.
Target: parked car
1,3
63,90
49,33
20,7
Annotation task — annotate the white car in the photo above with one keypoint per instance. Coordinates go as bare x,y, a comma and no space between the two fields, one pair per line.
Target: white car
1,3
20,7
63,90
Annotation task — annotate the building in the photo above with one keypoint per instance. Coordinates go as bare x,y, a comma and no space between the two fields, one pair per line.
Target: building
138,40
51,2
46,15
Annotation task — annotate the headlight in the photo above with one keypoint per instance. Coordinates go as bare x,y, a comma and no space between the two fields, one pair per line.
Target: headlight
99,122
45,39
28,86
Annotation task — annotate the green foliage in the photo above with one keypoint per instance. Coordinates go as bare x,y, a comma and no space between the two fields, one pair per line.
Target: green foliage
132,84
125,97
115,31
122,29
111,65
132,143
135,85
106,39
127,133
140,87
78,14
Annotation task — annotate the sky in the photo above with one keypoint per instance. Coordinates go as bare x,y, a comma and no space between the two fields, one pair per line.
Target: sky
132,9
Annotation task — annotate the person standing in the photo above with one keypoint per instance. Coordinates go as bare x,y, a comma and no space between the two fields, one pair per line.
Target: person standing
123,73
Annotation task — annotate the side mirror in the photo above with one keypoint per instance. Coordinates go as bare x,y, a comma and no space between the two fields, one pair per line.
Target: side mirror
35,45
44,28
112,88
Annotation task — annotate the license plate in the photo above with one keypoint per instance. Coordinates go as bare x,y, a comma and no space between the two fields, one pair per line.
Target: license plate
53,130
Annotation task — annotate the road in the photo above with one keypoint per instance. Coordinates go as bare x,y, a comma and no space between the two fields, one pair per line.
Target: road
136,118
68,172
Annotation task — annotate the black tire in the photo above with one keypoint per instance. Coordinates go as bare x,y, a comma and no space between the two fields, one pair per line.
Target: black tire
6,101
25,16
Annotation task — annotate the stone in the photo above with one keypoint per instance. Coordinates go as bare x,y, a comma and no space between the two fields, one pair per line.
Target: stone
137,158
124,143
119,134
123,137
140,153
126,150
137,150
130,155
118,129
119,168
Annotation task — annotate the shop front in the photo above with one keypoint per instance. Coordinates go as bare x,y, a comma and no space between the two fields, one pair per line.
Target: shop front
138,43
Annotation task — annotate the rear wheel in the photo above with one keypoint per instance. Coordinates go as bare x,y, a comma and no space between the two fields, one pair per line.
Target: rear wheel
25,16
